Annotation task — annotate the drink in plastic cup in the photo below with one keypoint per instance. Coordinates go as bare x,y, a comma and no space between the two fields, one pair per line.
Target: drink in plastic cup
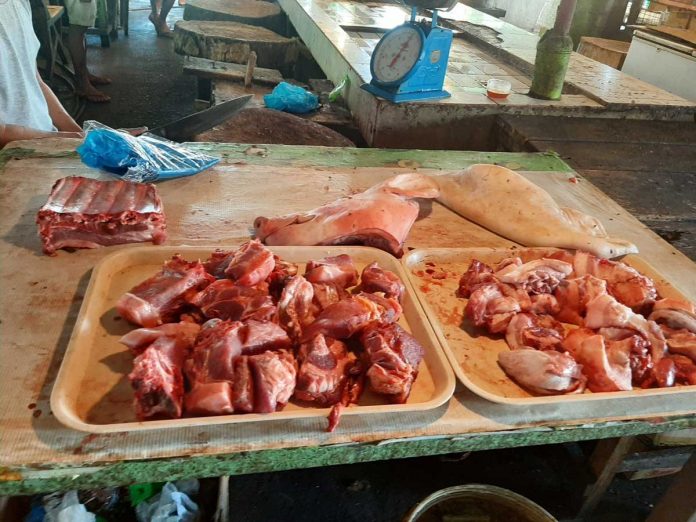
498,89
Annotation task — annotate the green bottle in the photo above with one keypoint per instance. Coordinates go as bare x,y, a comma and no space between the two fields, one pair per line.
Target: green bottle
553,55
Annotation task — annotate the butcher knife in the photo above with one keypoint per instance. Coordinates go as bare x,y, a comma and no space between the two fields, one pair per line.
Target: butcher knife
186,128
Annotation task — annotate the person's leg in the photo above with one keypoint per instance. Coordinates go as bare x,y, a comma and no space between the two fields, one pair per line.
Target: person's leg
154,11
162,27
78,52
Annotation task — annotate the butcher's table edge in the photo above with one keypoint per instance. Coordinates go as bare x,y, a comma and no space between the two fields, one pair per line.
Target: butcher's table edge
29,481
49,476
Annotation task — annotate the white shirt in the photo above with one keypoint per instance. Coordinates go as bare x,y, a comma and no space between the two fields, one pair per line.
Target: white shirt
21,99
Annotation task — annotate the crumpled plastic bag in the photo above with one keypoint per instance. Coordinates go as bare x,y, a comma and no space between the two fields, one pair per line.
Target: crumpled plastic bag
142,158
66,509
172,504
291,98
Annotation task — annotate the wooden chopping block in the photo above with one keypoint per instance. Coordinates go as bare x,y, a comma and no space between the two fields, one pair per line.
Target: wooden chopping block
232,42
250,12
268,126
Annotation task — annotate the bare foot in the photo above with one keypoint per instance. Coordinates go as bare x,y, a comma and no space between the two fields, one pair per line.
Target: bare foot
99,80
161,27
93,95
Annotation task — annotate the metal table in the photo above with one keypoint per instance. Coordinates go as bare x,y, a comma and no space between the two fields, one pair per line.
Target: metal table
41,297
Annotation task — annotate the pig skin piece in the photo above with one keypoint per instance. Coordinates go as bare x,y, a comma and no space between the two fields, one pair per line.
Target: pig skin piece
544,372
381,216
512,206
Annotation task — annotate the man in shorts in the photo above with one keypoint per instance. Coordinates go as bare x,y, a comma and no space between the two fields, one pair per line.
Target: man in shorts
28,107
81,16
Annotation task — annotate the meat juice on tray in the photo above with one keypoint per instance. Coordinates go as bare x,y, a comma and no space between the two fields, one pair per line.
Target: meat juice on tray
575,322
244,332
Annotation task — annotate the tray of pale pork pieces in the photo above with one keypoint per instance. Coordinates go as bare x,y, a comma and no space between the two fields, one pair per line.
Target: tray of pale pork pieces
538,325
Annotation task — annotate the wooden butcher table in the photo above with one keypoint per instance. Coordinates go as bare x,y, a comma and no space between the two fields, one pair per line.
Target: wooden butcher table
41,297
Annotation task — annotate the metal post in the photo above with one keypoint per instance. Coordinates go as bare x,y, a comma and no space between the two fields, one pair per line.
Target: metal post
553,55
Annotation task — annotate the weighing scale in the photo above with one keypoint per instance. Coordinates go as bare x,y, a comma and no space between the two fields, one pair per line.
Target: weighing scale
410,61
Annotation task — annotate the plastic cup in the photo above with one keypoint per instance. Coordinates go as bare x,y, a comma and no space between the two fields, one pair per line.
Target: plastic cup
498,89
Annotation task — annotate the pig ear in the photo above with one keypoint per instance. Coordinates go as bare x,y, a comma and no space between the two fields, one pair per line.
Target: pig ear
412,186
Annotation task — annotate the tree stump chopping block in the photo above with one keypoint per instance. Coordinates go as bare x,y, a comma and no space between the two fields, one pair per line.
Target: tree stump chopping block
251,12
267,126
232,42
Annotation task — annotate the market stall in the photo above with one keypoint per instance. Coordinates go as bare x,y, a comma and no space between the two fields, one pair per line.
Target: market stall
41,454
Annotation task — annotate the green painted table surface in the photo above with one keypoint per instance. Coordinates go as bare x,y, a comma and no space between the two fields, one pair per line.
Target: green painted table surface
41,297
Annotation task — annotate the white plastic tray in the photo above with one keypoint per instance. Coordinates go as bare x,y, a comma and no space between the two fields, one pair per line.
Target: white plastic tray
472,351
92,392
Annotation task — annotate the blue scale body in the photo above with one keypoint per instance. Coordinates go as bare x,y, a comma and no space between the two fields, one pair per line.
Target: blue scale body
426,78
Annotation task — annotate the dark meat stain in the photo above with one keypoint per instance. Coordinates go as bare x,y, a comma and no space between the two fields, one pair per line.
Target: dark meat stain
36,414
32,406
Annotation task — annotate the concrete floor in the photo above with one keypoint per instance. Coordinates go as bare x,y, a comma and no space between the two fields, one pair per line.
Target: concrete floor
149,89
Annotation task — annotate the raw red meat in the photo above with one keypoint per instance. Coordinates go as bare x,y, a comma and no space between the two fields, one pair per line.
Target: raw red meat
295,305
375,279
323,370
347,317
394,356
477,274
338,270
274,380
88,213
242,386
325,295
209,398
139,339
225,299
158,380
259,336
279,276
221,342
216,348
249,265
160,299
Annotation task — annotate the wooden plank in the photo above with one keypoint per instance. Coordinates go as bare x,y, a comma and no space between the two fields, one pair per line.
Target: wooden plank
655,459
688,36
204,68
606,460
679,5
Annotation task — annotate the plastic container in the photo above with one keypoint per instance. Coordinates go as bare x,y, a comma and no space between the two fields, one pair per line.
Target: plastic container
475,502
498,89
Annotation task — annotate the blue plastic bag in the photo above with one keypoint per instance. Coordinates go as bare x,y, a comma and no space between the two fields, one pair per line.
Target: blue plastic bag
291,98
141,158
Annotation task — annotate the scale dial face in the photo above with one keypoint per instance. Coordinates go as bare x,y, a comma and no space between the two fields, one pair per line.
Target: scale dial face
396,54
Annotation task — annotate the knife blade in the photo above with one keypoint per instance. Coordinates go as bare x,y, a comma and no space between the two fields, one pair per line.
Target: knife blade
186,128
